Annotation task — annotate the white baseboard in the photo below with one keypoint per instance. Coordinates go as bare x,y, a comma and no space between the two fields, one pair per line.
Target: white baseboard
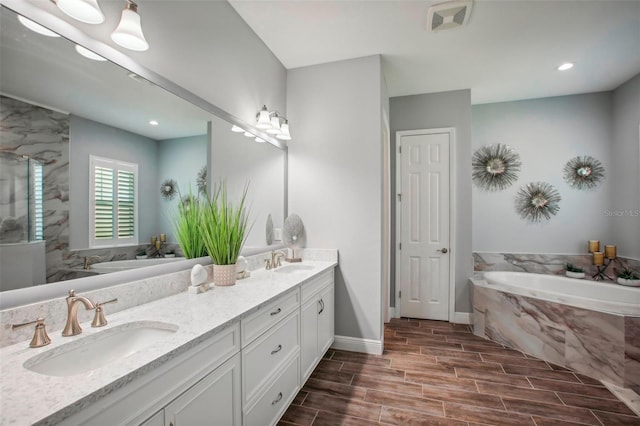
462,318
354,344
392,312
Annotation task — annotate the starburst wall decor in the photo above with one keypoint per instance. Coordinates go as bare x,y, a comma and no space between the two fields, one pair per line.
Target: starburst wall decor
583,172
537,201
495,167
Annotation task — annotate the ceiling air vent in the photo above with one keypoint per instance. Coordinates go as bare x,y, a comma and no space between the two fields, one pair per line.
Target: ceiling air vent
452,14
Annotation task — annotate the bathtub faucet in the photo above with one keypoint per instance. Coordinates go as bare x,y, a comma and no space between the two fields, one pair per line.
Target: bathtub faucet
87,261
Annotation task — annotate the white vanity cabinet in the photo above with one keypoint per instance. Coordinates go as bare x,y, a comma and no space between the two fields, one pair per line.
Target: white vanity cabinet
317,316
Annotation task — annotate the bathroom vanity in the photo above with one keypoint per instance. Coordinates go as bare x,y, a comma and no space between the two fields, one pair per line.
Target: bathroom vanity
231,356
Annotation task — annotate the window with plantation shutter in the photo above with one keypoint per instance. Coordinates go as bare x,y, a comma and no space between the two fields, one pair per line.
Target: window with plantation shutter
113,196
38,201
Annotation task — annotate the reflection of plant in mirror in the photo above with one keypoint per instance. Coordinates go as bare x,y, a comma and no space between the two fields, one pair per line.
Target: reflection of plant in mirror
186,225
495,167
583,172
628,274
201,181
572,268
224,226
537,200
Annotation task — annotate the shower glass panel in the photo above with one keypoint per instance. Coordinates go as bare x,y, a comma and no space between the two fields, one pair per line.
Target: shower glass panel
21,199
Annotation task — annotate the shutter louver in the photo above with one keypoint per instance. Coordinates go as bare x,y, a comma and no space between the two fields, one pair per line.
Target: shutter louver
126,204
103,182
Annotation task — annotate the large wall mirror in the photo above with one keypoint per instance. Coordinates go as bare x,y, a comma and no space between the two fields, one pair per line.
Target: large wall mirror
60,112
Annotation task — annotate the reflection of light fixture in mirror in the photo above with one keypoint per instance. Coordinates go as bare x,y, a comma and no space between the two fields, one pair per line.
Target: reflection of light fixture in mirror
154,122
128,34
260,140
86,11
36,27
275,124
264,122
565,66
284,131
236,129
88,54
249,134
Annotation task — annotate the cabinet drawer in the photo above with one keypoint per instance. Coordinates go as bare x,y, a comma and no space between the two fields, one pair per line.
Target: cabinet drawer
262,357
270,407
260,321
316,284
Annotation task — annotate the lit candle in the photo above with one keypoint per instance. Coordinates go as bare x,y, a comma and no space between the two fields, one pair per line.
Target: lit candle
163,237
598,258
158,245
594,246
610,252
153,240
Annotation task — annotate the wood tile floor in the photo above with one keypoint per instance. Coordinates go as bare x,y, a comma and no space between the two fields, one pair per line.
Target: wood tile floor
437,373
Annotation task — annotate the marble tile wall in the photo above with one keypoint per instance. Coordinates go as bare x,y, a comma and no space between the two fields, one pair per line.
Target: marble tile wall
551,264
601,345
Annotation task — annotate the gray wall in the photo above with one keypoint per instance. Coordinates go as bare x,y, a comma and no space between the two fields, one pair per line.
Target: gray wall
335,175
439,110
546,133
181,160
625,176
88,137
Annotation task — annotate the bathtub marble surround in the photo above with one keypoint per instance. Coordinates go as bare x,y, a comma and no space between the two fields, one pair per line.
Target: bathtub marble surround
129,295
198,317
549,264
601,345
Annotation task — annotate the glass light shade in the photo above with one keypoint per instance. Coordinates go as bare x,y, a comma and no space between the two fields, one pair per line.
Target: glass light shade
128,34
260,140
275,125
88,54
284,129
236,129
86,11
264,122
37,28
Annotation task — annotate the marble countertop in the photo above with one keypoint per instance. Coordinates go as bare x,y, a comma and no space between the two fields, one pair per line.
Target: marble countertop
27,397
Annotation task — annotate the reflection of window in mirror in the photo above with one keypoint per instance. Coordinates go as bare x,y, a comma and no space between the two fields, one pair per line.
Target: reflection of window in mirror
113,202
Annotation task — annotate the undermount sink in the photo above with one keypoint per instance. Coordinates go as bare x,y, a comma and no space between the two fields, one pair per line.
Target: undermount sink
97,350
291,269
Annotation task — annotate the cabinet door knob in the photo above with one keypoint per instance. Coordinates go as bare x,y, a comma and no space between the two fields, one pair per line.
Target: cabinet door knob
276,312
275,401
276,350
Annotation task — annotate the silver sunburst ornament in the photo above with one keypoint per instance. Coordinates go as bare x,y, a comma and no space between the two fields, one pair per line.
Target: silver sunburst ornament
168,189
583,172
495,167
537,201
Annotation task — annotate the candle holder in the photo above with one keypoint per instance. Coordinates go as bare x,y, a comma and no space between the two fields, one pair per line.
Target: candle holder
157,244
599,259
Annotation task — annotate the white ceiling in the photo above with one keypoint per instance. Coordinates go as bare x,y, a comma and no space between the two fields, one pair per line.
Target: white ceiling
508,51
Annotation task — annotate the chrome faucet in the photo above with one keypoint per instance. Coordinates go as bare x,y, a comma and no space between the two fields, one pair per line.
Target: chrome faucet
274,262
73,326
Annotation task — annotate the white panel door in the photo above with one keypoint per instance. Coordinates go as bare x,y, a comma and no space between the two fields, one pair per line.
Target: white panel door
424,228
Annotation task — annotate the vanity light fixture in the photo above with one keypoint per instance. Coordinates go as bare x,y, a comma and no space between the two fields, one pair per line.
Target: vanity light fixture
89,54
565,66
87,11
236,129
128,34
37,28
273,123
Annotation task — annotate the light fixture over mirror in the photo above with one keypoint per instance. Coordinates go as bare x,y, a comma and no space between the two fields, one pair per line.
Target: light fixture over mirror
37,27
273,123
87,11
129,34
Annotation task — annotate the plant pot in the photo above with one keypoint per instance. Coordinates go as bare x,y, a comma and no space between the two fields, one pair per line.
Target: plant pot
578,275
224,275
168,256
631,283
141,256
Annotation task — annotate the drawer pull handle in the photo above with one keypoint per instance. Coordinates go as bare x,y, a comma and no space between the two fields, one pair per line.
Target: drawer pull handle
276,312
275,401
321,306
276,350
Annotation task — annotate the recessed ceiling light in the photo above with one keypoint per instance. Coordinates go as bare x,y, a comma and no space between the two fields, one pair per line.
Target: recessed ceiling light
88,54
565,66
153,122
36,27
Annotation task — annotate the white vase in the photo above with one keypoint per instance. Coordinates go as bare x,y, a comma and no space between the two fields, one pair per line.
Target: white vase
631,283
224,275
570,274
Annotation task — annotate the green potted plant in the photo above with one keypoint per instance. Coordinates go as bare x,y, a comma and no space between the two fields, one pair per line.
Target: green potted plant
224,230
574,271
628,277
141,253
186,226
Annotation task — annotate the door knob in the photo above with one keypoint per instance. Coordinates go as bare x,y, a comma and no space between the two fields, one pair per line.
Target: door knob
443,251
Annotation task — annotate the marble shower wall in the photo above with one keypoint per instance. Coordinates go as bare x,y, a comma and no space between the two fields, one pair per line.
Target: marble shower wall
43,135
601,345
549,264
